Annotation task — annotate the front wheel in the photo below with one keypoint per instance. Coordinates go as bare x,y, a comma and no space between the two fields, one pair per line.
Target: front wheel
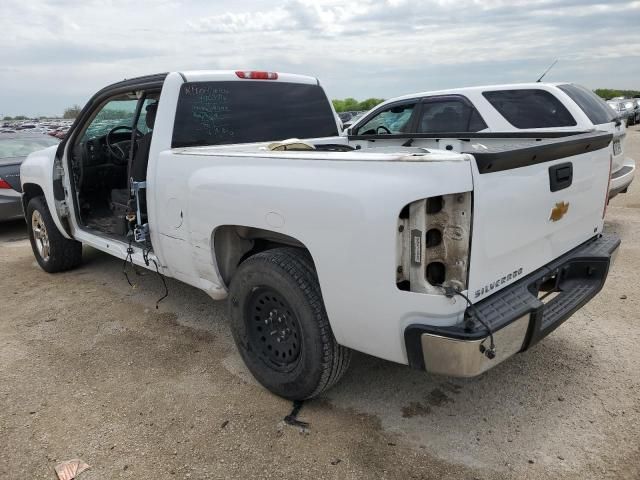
280,325
53,252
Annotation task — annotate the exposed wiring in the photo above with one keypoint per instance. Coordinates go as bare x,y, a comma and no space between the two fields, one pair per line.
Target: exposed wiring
292,418
129,260
147,260
490,352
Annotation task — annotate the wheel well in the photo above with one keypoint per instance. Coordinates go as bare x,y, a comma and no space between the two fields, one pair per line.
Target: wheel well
232,244
29,191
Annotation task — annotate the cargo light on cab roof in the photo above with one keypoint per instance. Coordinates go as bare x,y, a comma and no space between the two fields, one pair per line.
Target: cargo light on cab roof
256,75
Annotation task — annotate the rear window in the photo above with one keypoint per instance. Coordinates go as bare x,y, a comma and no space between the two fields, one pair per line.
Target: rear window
221,113
591,104
531,108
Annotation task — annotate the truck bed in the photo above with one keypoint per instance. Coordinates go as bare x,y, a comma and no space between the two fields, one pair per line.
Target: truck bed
504,151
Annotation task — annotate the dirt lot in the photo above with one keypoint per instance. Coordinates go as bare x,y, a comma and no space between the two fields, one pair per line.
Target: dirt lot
90,369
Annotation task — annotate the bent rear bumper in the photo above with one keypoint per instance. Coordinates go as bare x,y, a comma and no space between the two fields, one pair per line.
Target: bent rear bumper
622,178
517,317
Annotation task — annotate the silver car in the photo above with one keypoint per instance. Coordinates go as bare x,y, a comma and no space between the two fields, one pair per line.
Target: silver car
14,148
636,109
624,109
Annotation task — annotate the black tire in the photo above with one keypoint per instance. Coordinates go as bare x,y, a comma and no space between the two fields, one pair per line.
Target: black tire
63,254
278,291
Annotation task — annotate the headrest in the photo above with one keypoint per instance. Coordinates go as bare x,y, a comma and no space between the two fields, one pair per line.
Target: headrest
150,118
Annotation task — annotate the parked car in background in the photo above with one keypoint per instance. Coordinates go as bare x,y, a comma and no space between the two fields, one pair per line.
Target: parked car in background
355,116
14,148
621,109
498,115
635,107
631,107
345,116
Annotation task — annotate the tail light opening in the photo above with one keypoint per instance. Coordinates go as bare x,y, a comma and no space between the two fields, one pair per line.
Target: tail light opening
433,243
4,184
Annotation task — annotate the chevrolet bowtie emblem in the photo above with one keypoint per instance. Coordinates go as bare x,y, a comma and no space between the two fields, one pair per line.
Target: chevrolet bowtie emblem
559,211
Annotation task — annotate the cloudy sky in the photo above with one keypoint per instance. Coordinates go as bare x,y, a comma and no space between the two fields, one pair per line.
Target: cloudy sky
57,53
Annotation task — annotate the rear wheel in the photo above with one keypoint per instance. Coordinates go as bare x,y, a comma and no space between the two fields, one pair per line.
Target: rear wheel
53,252
280,325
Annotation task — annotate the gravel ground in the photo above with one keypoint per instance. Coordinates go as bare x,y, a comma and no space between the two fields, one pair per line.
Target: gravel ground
90,369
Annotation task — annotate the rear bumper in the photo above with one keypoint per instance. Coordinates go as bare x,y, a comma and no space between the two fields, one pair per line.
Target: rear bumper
10,206
517,317
622,178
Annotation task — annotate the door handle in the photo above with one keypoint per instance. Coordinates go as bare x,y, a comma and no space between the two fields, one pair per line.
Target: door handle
560,176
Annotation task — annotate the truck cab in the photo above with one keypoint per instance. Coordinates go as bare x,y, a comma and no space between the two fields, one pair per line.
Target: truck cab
106,189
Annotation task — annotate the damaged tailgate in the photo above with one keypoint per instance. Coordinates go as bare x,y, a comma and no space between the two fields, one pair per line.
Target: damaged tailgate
533,203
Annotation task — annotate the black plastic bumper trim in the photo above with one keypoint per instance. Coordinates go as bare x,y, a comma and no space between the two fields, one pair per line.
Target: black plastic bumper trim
623,171
508,157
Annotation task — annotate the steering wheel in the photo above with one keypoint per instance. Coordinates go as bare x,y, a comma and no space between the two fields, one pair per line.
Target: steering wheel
388,132
116,149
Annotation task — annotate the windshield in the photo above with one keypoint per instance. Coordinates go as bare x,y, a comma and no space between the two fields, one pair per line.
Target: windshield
392,120
22,146
219,113
115,113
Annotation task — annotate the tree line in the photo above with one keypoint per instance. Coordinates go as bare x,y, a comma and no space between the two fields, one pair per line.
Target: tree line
608,93
353,105
69,113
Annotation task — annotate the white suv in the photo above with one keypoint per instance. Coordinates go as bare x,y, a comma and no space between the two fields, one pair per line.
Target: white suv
500,113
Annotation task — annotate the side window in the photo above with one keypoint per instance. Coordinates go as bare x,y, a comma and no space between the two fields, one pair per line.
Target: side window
451,115
531,108
394,119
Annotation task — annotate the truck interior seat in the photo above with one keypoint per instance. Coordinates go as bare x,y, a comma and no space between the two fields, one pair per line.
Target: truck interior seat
449,120
120,196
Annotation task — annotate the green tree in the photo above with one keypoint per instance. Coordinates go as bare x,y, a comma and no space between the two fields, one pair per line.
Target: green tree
351,104
72,112
7,118
369,103
608,93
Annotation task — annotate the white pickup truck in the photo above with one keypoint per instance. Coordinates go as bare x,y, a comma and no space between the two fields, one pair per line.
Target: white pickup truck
449,262
495,114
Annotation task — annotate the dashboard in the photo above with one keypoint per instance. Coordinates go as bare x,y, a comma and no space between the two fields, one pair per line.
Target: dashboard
94,165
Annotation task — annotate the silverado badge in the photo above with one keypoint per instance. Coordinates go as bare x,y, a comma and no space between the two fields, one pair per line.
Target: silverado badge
559,211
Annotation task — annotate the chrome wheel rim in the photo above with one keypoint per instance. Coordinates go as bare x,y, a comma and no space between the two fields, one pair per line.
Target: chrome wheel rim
40,236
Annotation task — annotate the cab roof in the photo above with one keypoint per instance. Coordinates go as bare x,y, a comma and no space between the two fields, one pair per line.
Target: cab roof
232,75
210,76
479,88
